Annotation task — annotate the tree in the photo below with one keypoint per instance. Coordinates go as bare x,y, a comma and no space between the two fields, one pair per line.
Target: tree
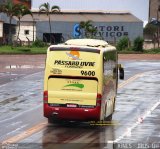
85,25
9,8
92,31
150,30
46,8
21,10
88,29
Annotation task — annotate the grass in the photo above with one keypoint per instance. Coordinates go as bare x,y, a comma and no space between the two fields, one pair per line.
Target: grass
22,50
151,51
129,52
43,50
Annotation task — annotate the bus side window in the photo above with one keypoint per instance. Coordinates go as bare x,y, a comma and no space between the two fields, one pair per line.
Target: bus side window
109,63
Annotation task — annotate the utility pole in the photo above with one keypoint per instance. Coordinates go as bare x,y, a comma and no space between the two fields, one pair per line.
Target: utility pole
158,25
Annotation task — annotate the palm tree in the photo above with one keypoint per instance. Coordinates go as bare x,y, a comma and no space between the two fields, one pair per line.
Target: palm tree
21,10
9,9
85,26
46,8
92,31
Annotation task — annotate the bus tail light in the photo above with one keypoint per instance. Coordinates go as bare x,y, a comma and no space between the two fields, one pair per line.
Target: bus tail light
99,99
99,96
45,97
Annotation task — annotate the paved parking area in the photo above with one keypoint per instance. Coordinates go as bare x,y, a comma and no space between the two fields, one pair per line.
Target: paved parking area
39,60
13,67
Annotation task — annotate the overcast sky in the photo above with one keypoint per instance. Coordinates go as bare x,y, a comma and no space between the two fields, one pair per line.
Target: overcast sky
137,7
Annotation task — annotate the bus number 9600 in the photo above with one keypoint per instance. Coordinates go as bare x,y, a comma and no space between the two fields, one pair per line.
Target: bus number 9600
87,73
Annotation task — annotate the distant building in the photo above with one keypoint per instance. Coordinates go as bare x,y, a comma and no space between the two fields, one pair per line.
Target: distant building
111,26
4,21
4,28
153,9
2,1
24,2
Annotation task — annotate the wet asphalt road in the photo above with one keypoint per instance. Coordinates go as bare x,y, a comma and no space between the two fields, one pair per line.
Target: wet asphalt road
135,121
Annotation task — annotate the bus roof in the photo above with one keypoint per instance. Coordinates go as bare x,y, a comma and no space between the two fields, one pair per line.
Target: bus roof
86,43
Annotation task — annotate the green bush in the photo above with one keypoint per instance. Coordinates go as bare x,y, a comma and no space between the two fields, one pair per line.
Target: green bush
38,43
123,44
138,44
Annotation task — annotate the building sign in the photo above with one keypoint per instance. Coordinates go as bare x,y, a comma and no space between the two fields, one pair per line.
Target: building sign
76,31
112,31
108,31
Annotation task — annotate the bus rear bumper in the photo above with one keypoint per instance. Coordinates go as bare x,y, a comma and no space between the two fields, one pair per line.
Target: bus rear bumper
72,114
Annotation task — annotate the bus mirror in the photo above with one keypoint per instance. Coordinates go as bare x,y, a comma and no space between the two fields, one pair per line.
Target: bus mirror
121,72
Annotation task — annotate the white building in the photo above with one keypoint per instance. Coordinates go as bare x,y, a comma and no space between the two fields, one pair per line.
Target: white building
4,28
27,33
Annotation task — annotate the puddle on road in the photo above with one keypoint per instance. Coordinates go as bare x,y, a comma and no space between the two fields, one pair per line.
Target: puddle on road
9,100
5,94
23,66
15,109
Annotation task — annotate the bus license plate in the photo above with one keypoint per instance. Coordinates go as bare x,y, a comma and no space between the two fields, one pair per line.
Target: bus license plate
71,105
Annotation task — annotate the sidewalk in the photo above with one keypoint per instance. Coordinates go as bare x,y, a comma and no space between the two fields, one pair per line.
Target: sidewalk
139,56
22,60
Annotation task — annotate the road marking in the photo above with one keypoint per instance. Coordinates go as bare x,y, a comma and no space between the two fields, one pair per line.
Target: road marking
128,131
141,118
30,75
11,118
41,126
130,80
25,134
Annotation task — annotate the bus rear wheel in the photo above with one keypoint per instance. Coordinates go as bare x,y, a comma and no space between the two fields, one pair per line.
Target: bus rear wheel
51,120
109,118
